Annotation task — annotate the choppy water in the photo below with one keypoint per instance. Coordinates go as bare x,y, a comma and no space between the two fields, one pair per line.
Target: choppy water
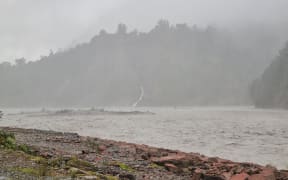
239,133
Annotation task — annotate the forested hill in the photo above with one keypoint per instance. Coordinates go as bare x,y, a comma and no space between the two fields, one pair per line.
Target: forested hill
271,90
170,65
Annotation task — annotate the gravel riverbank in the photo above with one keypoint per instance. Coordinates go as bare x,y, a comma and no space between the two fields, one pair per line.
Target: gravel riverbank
55,155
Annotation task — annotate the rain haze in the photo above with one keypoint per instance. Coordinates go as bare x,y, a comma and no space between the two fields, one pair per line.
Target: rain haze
202,76
30,28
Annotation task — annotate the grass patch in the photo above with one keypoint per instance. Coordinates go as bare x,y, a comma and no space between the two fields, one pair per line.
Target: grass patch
155,166
78,163
123,166
39,160
37,172
29,171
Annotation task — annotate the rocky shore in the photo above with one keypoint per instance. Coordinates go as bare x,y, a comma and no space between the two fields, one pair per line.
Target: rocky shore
37,154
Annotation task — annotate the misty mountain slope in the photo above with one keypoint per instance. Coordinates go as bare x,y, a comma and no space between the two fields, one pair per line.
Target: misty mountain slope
271,90
175,65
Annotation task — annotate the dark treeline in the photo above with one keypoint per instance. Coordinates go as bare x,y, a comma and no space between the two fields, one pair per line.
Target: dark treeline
271,90
173,64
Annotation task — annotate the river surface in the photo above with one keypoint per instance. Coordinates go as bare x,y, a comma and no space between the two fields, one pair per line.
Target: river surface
241,134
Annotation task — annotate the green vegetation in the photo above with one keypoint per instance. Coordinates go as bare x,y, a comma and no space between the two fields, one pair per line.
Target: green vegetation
38,171
78,163
29,171
48,167
109,177
123,166
7,140
24,148
72,167
153,165
38,166
38,159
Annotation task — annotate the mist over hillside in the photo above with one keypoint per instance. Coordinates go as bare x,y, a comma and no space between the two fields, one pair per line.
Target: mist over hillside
170,65
271,89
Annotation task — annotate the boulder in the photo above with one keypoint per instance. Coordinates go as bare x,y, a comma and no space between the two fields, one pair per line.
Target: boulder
242,176
171,167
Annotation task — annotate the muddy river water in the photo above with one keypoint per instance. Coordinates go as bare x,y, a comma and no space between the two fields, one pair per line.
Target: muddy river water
237,133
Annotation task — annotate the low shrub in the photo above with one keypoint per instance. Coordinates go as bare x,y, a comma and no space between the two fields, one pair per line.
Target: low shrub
7,140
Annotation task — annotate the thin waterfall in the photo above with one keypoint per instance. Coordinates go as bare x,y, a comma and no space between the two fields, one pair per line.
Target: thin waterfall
140,97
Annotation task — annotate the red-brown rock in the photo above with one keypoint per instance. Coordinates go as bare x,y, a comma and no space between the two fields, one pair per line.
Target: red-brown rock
257,177
227,175
197,174
102,148
171,167
169,158
242,176
268,174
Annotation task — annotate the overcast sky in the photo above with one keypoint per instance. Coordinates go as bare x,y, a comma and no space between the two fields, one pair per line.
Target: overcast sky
30,28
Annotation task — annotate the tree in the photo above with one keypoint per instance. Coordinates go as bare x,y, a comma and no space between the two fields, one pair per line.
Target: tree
102,32
122,29
20,62
270,91
162,26
175,64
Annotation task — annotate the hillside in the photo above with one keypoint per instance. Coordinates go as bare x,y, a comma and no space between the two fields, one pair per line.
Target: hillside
271,89
170,65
